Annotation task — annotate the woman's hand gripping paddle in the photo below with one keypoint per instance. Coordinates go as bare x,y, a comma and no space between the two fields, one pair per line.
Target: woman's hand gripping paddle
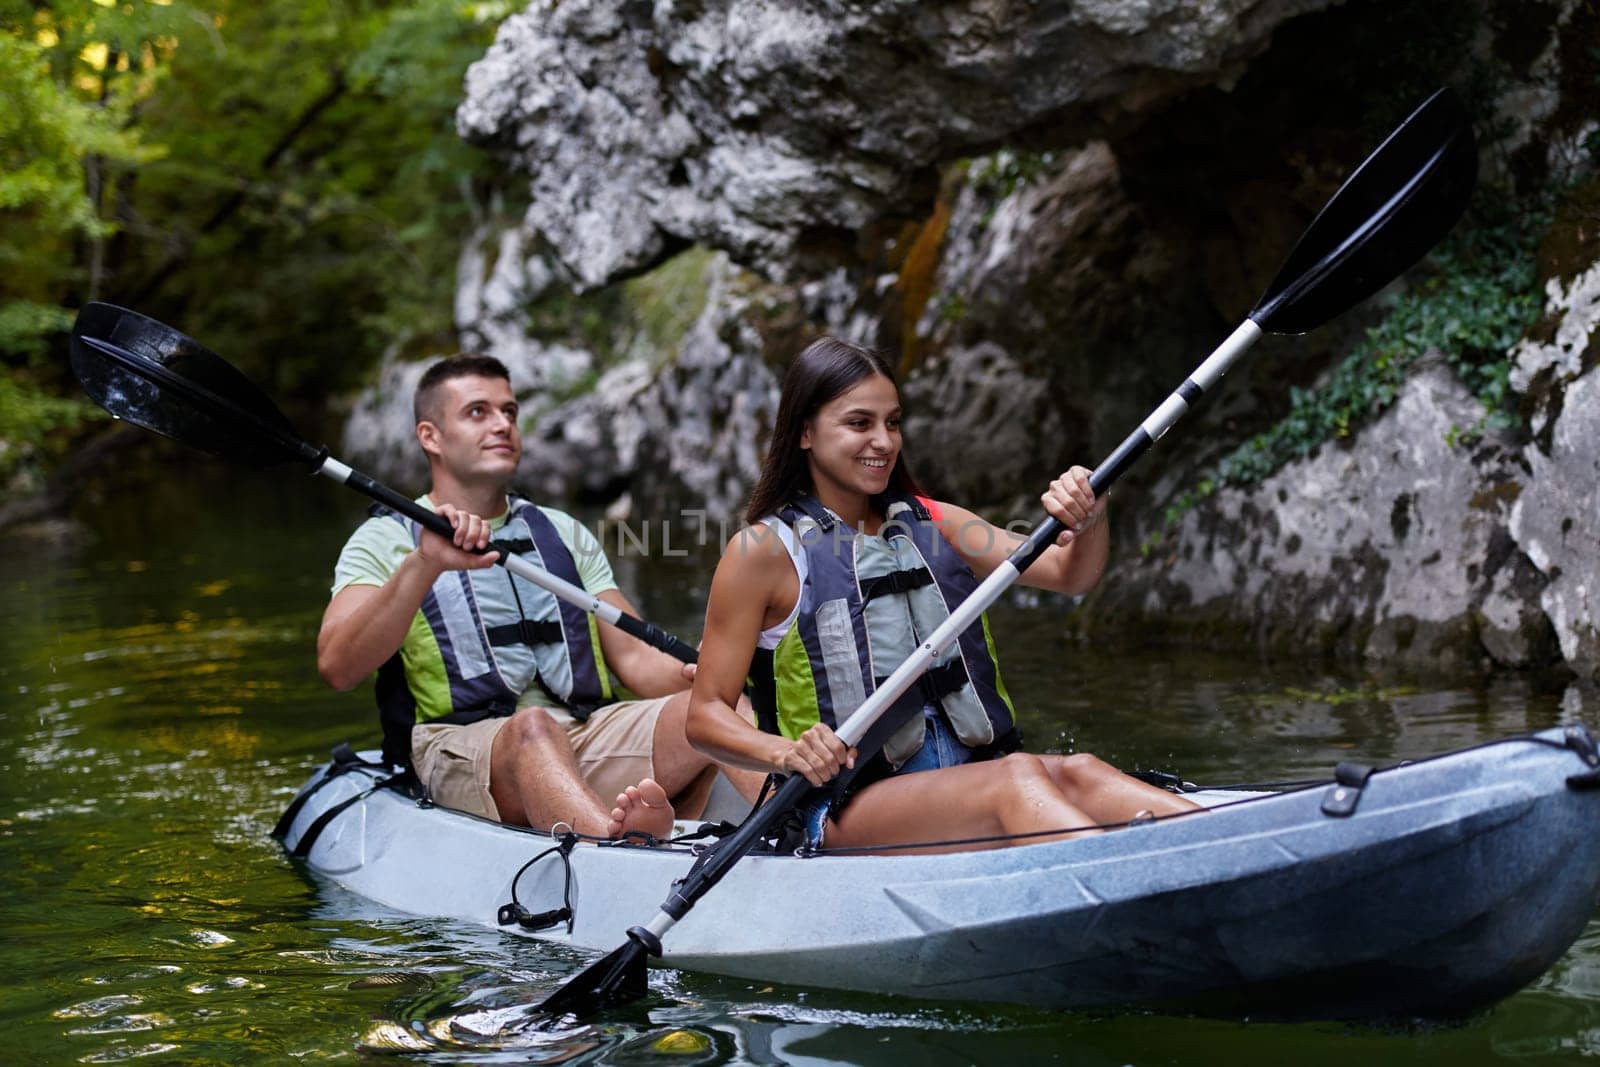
155,377
1395,207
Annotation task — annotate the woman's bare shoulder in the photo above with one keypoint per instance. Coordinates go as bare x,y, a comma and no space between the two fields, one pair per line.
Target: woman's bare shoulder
754,550
753,573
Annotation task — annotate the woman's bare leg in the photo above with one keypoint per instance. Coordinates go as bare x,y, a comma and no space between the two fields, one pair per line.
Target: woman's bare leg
1105,793
1014,795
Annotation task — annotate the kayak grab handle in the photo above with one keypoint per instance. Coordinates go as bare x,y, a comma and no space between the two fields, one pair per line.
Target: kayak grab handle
1349,779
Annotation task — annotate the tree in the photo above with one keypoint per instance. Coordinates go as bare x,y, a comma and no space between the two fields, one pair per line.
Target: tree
282,181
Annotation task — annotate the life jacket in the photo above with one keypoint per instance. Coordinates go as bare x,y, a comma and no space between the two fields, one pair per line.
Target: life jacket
865,605
471,655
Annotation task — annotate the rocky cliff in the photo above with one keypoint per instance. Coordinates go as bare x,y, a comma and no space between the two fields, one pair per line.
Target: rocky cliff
1049,212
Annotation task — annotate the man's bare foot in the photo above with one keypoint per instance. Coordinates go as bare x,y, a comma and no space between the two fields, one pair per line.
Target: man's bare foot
642,807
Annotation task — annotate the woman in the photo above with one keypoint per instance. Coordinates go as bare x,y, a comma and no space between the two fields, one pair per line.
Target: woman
845,567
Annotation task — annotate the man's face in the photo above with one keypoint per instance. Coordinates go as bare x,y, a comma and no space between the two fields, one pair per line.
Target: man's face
474,437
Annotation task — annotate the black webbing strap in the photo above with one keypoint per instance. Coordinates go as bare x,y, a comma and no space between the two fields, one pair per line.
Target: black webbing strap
895,582
343,760
939,682
302,847
525,632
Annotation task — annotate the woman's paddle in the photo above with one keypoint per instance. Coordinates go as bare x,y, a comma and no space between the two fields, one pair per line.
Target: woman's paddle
153,376
1395,207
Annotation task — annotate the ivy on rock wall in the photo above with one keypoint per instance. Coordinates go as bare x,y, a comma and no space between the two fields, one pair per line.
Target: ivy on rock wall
1479,298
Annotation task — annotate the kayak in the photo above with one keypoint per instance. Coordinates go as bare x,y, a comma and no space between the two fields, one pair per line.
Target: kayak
1433,888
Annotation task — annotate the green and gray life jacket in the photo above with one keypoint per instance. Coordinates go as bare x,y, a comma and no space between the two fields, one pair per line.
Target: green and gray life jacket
866,602
482,638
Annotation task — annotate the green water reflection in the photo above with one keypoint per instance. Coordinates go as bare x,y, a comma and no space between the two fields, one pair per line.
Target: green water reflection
159,703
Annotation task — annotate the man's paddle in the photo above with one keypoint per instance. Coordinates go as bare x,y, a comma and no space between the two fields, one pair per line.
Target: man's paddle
153,376
1395,207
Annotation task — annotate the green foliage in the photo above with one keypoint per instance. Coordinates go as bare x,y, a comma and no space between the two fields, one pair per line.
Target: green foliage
46,134
34,423
953,309
24,325
1480,297
1009,170
1000,175
283,181
583,320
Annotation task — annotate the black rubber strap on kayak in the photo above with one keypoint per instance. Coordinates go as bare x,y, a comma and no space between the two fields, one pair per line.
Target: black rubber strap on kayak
302,847
343,760
720,829
514,912
1172,783
1349,779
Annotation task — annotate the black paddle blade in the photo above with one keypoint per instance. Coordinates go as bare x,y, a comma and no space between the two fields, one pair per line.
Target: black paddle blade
619,978
1395,207
155,377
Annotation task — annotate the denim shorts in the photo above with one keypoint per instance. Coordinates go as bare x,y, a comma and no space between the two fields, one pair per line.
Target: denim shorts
940,748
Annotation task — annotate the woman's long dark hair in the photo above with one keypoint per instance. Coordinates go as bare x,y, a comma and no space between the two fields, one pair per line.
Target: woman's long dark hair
826,368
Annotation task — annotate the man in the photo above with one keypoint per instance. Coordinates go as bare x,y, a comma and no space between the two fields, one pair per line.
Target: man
497,693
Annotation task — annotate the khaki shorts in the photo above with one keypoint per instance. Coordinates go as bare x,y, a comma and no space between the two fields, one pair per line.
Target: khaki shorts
615,747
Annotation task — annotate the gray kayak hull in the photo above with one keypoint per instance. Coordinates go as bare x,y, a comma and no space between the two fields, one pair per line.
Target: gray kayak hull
1456,881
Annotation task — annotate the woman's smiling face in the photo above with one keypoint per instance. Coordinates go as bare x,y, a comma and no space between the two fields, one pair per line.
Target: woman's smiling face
853,440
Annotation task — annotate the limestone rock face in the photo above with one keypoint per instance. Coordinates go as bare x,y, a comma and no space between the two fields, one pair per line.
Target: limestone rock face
696,433
1058,313
1401,546
1399,516
1556,520
1557,524
976,410
765,128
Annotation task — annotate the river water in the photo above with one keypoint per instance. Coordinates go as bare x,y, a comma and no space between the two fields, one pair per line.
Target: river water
159,704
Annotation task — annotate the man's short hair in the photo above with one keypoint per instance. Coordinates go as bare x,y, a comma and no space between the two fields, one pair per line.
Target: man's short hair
424,401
